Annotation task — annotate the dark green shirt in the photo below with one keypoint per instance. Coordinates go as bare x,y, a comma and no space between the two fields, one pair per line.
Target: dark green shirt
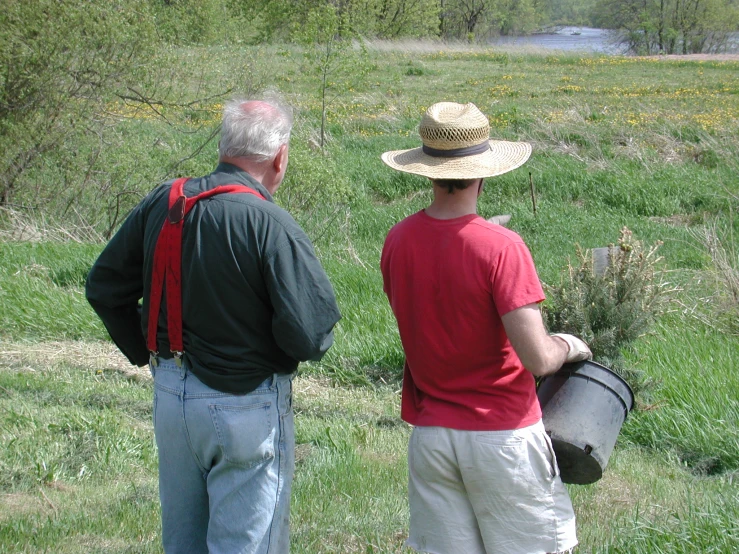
255,299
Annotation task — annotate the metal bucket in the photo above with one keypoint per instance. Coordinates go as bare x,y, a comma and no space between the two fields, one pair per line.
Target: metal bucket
583,408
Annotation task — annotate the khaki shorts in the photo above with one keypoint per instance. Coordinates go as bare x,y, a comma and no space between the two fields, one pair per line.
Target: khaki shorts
487,492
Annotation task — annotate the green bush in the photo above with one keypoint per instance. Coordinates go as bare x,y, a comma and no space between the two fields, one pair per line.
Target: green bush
611,307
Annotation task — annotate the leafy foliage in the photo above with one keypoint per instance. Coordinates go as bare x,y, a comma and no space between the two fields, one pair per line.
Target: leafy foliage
312,178
59,64
479,19
277,20
200,21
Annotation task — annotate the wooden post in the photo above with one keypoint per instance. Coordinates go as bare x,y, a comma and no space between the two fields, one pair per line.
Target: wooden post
602,258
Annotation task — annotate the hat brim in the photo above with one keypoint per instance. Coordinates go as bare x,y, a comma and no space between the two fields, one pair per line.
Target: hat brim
503,156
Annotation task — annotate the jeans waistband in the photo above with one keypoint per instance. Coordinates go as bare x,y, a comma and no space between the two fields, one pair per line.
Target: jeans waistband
169,364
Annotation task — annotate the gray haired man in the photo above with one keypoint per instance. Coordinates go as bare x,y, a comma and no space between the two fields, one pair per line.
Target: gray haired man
233,299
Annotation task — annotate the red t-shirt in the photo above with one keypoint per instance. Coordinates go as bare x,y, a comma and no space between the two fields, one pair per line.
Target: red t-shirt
449,282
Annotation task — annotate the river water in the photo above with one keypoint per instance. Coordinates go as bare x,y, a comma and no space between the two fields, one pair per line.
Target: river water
585,39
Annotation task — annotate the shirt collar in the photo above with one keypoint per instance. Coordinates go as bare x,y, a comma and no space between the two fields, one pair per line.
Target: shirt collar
244,178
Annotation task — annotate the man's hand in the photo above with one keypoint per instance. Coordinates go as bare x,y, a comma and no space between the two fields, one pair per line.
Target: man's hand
578,350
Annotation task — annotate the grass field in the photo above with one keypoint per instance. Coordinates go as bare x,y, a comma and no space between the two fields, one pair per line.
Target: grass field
647,144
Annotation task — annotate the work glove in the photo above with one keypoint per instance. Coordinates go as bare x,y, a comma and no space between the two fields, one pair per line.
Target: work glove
501,220
578,350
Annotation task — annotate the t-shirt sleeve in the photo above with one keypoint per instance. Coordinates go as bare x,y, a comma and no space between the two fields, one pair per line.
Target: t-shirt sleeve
514,280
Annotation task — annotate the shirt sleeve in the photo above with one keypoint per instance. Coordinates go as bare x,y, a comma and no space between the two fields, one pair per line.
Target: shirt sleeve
514,280
115,285
303,301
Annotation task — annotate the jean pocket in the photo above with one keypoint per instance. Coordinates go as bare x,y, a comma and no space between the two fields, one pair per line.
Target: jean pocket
245,433
542,464
552,456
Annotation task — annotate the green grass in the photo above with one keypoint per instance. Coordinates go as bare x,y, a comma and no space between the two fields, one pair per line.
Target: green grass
696,415
79,468
42,291
617,141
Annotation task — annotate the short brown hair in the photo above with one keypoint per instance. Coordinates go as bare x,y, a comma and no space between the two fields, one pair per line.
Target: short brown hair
454,184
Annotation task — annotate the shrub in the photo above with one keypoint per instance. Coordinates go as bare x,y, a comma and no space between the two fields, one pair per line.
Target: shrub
610,308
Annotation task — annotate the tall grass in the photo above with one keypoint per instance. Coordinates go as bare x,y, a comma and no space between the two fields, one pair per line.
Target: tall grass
696,415
41,290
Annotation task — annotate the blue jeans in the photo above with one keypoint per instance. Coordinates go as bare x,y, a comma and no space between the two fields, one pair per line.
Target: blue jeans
226,464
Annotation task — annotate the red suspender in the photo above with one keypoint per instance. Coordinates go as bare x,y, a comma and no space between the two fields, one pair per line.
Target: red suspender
168,264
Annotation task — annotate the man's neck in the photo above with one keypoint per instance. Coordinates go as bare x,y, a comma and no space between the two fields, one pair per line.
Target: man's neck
254,169
450,206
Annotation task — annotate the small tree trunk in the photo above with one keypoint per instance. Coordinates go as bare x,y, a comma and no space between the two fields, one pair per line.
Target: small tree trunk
324,81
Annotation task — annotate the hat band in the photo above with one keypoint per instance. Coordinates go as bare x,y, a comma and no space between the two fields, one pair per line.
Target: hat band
457,152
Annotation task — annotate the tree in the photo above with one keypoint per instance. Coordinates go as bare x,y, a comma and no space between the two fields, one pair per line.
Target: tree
199,21
568,12
475,19
70,72
671,26
413,18
334,58
59,62
518,16
366,18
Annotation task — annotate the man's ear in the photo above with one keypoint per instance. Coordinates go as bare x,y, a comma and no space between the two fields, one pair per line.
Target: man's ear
280,160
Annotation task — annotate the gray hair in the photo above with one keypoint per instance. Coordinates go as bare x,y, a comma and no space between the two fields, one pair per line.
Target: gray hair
255,131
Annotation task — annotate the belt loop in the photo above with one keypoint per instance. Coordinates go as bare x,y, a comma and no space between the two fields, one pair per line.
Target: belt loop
183,371
273,385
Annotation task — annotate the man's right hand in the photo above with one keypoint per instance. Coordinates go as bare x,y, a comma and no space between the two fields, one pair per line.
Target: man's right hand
578,350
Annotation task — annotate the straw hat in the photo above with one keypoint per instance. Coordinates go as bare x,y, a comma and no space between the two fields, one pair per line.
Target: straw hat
457,145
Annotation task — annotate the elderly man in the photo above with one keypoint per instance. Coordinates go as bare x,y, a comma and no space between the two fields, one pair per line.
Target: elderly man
465,293
233,298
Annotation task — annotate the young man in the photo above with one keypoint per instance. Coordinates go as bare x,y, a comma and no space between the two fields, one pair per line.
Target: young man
465,293
243,300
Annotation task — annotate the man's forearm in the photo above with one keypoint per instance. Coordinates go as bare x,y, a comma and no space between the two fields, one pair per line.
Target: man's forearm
547,359
541,353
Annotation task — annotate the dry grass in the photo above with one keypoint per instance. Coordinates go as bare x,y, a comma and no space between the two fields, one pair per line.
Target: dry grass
431,46
17,226
41,356
696,57
93,543
722,279
675,220
322,395
17,504
421,46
